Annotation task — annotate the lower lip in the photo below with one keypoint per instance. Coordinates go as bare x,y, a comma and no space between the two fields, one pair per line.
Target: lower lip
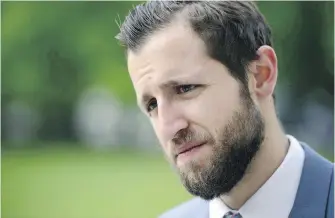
190,153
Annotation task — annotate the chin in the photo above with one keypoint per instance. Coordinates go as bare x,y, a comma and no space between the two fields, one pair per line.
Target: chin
195,166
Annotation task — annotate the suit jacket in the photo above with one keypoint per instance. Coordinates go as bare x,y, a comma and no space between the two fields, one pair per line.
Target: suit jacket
314,199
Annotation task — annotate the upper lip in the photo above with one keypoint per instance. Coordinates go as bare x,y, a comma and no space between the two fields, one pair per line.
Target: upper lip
187,146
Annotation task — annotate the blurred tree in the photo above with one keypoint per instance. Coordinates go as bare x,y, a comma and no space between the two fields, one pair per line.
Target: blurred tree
313,61
53,51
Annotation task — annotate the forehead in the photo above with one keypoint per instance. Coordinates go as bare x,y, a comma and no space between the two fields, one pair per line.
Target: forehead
175,52
171,49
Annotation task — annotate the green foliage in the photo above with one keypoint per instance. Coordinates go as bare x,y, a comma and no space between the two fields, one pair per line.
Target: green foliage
54,50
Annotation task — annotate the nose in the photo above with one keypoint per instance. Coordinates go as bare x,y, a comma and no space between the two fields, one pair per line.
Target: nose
170,121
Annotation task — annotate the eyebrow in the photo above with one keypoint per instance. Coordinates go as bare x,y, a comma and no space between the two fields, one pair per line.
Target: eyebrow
172,83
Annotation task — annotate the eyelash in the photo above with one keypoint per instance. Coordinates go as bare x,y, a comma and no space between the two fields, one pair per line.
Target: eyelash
149,104
177,89
183,86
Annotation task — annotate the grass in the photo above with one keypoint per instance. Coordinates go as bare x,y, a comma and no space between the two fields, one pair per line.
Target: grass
73,183
67,182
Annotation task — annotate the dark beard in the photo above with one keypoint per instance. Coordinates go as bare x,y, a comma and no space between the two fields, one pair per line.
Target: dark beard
240,142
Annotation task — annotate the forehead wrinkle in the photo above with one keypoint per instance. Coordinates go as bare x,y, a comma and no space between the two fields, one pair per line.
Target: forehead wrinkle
142,77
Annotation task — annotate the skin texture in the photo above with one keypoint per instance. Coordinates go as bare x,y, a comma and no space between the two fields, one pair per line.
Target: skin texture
191,99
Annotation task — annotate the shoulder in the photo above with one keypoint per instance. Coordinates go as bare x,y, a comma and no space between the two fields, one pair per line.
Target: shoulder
189,208
318,174
314,157
330,203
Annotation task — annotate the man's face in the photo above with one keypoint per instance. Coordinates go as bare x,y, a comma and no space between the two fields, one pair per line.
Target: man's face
207,124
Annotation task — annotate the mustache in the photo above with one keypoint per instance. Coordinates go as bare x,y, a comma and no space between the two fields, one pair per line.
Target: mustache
184,136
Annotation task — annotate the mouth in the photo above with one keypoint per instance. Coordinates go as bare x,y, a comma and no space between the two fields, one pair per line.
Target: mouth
188,148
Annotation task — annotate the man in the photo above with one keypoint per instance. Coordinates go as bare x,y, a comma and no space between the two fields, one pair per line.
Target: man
205,73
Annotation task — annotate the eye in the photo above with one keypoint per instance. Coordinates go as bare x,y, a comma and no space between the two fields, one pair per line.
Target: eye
152,104
185,88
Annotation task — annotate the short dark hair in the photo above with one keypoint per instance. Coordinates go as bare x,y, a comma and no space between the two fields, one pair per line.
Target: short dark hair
232,30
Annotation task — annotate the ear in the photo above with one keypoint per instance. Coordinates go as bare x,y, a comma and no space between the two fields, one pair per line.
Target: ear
264,72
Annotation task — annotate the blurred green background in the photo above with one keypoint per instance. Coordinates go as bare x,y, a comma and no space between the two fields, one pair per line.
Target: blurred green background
74,144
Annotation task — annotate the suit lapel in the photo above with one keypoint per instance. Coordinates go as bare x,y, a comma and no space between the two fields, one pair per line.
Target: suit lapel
312,194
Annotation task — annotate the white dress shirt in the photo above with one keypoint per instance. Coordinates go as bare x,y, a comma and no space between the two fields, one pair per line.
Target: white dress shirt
276,197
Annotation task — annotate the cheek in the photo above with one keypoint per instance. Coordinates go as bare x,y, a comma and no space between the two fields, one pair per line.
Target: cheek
157,131
212,111
160,137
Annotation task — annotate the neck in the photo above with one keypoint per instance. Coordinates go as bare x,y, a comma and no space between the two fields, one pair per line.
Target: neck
272,152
